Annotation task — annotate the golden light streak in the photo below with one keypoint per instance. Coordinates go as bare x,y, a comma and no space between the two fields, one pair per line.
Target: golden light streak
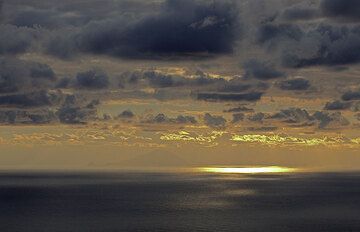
289,140
186,136
247,170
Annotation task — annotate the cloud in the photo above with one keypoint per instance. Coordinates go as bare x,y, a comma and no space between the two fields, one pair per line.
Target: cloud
324,45
238,117
270,35
71,112
214,121
349,9
43,71
62,43
257,117
185,119
18,75
127,114
301,118
15,40
321,44
1,9
63,83
293,115
251,97
161,80
182,28
42,116
92,79
295,84
357,116
162,118
351,95
32,99
263,128
330,119
234,87
261,70
46,107
239,109
297,13
337,105
49,18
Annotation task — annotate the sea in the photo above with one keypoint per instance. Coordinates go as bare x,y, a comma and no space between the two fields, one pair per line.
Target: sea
66,201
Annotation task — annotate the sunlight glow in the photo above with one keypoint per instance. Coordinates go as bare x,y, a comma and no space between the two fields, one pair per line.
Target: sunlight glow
247,170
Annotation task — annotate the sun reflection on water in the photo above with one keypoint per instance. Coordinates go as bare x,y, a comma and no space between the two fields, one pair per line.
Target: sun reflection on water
247,170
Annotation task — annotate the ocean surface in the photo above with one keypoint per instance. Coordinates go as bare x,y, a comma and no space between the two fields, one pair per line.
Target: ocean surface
171,202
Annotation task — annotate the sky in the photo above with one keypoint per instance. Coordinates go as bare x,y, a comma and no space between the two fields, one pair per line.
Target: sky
179,83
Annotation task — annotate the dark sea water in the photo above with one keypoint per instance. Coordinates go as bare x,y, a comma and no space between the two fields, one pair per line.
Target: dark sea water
89,202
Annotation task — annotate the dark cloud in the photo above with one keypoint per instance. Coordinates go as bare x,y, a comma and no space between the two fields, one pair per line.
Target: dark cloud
160,80
62,43
293,115
270,35
257,117
325,45
127,114
327,120
295,84
322,44
93,79
299,118
214,121
28,95
93,104
348,9
12,75
299,13
185,119
337,105
18,75
107,117
48,18
238,117
71,112
162,118
261,70
181,28
1,9
263,128
35,18
351,95
43,71
43,116
252,96
14,40
63,83
76,115
200,85
32,99
239,109
234,87
171,94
